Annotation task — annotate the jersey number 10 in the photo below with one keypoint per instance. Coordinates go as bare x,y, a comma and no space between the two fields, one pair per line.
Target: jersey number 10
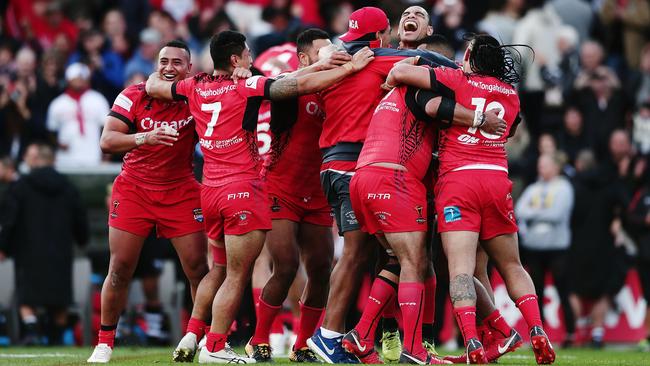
479,103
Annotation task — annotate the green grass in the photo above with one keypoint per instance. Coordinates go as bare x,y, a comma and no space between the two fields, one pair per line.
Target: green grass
162,356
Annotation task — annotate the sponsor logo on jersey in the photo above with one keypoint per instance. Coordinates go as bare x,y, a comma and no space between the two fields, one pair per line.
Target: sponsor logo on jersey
238,195
198,214
468,139
314,109
243,217
251,82
452,213
351,218
420,219
378,196
219,144
114,211
491,87
148,124
389,106
214,92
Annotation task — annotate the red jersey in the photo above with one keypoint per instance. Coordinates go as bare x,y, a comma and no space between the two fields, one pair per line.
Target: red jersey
226,118
277,59
464,148
349,104
272,62
156,166
294,162
396,136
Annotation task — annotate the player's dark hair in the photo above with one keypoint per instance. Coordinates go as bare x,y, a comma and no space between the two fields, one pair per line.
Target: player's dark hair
488,57
225,44
177,43
306,39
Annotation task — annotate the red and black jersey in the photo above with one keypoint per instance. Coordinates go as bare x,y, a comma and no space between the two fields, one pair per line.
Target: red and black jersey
294,161
397,136
470,148
156,166
349,104
226,114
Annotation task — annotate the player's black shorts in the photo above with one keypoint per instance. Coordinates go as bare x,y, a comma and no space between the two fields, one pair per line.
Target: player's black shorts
336,187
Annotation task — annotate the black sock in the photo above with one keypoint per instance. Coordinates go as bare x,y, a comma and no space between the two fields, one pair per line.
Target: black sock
389,324
427,332
107,328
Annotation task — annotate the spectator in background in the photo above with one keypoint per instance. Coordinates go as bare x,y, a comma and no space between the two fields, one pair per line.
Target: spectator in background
573,138
106,66
603,106
143,60
592,56
447,20
336,15
247,15
41,219
136,13
538,29
209,19
8,176
634,17
114,28
77,116
641,129
544,214
576,14
559,78
16,103
501,21
638,85
49,85
165,24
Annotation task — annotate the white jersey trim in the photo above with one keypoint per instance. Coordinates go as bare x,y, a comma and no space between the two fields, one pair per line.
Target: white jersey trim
481,167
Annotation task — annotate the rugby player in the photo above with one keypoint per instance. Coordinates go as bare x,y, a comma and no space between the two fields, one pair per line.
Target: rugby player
233,195
156,188
473,193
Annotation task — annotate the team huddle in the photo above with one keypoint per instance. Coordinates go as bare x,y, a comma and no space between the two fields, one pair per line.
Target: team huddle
354,132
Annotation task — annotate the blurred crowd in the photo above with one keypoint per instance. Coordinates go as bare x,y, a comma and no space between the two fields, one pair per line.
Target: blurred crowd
580,160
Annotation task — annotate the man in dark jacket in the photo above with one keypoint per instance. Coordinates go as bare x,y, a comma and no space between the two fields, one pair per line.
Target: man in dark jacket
42,216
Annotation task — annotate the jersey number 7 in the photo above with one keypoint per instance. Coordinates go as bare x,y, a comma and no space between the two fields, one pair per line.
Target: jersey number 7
215,108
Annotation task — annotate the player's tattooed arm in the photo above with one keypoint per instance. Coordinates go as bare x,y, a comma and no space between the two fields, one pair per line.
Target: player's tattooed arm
159,88
403,73
461,288
289,86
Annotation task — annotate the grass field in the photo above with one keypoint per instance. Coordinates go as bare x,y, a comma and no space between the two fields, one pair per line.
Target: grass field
162,356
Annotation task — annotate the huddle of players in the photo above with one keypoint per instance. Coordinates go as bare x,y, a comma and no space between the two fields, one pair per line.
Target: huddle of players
374,162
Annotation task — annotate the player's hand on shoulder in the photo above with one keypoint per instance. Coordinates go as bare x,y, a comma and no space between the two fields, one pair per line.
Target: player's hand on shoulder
362,58
332,59
241,73
493,124
161,136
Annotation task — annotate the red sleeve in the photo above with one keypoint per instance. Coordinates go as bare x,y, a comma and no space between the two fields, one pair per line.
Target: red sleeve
125,104
449,78
383,64
254,86
181,89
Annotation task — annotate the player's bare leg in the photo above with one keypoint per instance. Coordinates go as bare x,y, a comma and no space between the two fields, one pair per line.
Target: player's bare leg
202,309
125,249
346,278
191,249
316,253
504,251
241,252
460,249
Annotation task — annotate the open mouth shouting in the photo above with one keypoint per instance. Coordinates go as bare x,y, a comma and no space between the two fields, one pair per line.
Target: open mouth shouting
410,26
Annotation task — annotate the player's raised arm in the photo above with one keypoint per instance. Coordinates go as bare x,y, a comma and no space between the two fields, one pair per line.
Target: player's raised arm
158,87
403,73
289,86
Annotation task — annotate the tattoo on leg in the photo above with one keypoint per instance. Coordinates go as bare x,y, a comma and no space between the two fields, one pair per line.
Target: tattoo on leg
115,280
461,288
